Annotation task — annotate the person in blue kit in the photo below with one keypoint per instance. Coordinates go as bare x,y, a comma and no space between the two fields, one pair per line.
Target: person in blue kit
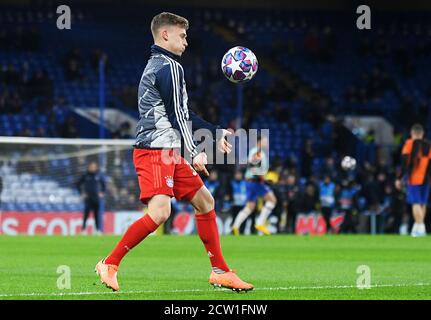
238,195
258,162
327,199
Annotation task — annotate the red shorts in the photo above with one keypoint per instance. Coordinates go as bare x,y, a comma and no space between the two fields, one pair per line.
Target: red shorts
165,172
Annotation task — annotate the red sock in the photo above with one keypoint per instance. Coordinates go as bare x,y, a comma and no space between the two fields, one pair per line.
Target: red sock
208,232
137,232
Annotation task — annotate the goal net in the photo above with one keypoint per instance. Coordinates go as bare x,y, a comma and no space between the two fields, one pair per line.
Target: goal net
39,182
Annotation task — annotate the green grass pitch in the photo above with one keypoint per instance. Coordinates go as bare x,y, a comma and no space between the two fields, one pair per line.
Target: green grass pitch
176,267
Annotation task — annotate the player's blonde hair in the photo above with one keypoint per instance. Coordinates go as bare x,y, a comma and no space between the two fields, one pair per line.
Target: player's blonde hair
167,19
418,129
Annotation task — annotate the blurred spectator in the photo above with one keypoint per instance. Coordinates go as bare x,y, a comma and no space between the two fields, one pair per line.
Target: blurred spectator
72,63
123,132
40,85
11,76
327,190
95,57
10,103
128,96
307,158
312,45
398,209
68,129
308,200
237,190
73,71
293,202
347,204
40,132
91,186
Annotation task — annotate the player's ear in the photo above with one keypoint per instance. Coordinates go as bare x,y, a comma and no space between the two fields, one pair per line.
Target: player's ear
164,34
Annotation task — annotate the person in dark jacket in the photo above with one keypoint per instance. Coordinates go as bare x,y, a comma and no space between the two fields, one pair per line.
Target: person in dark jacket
91,186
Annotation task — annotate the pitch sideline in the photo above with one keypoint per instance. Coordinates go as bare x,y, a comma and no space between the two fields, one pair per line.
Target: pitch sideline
63,294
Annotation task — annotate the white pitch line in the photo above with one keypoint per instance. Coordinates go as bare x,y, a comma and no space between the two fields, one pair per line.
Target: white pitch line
63,294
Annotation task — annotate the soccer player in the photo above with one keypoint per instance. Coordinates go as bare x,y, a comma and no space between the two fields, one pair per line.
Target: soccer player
416,155
162,171
256,188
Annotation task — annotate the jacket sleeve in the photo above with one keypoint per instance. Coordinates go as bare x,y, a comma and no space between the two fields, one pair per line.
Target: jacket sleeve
405,157
199,123
170,83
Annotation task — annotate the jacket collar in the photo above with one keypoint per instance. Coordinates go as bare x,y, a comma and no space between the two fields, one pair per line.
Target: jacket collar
155,49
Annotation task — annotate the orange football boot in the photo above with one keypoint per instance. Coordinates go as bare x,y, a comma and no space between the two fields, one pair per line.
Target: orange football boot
229,280
107,274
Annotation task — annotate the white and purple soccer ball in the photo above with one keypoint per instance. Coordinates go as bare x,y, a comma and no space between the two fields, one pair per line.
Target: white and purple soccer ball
348,163
239,64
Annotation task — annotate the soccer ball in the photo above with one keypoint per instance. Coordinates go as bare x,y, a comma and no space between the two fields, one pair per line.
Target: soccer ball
348,163
239,64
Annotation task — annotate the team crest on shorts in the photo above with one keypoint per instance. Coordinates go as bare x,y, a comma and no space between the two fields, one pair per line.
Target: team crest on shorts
169,181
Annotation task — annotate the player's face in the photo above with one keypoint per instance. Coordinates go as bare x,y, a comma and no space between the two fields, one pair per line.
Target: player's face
291,180
416,135
177,39
238,175
92,167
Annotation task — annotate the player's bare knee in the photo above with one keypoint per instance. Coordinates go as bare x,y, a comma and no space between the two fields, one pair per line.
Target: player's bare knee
270,197
160,208
251,206
203,201
206,204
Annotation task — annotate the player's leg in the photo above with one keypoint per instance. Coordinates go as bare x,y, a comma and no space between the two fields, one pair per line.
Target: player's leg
242,216
96,208
154,177
87,209
418,195
206,224
159,209
269,205
326,213
251,198
189,186
418,218
421,228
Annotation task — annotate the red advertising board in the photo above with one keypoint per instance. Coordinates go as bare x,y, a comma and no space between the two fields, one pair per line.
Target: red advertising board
49,223
314,224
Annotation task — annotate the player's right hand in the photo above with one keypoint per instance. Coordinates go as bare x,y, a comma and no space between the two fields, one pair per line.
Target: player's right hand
199,163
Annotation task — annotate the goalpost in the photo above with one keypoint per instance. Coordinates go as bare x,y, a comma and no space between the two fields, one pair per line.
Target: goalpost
40,175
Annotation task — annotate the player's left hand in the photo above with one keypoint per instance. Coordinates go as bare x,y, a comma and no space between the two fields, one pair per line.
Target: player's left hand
222,145
199,163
